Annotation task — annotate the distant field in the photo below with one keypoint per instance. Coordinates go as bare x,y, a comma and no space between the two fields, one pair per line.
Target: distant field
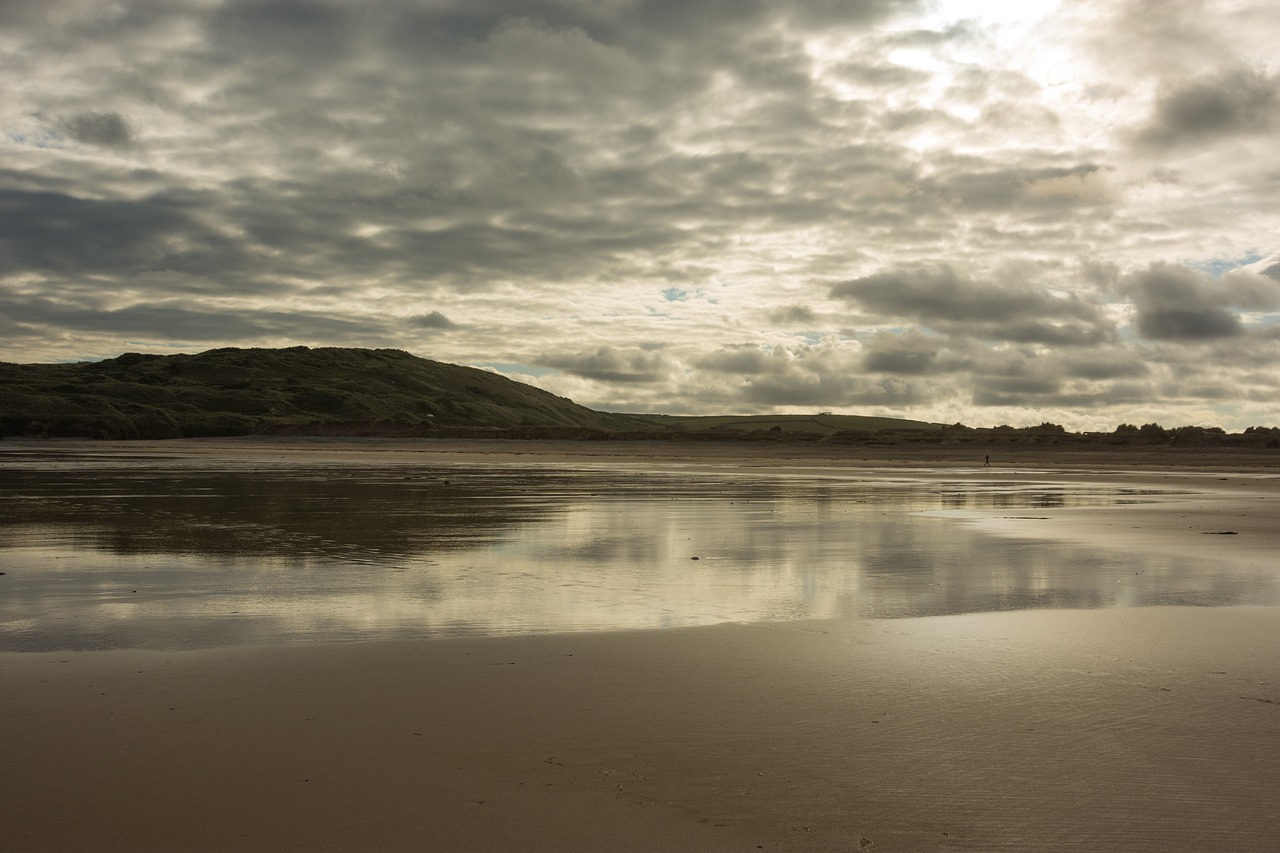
819,423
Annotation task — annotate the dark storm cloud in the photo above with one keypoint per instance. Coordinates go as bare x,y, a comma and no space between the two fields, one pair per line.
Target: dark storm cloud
169,322
878,73
1009,377
1235,102
1111,365
1175,303
296,28
902,361
432,320
741,360
821,390
909,353
682,40
978,187
1023,387
942,294
1053,334
1251,290
106,129
1039,380
1005,376
51,231
793,315
65,234
1180,324
1109,396
612,364
806,375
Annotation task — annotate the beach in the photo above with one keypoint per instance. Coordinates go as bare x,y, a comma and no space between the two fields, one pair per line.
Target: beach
1152,728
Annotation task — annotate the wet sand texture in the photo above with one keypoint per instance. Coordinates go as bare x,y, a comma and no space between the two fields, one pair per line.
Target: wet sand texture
1150,729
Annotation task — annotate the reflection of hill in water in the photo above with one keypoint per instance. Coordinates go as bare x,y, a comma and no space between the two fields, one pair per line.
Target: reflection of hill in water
343,512
377,512
336,512
172,555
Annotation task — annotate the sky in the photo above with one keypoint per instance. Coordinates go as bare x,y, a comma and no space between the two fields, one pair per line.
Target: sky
1017,212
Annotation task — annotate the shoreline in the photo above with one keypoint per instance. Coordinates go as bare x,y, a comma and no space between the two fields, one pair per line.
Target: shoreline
1135,729
1155,458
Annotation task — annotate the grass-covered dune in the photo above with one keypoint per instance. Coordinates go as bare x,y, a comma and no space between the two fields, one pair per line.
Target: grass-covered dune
297,390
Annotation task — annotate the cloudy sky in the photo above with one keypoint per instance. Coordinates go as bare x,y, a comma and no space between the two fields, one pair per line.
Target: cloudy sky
988,211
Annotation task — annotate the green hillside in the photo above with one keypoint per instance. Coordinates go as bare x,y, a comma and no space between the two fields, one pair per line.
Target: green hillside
243,391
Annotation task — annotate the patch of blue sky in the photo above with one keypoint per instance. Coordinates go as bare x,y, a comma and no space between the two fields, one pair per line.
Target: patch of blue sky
1218,266
675,294
522,369
44,140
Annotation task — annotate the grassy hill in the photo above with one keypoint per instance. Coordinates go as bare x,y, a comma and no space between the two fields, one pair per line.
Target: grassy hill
820,424
243,391
362,392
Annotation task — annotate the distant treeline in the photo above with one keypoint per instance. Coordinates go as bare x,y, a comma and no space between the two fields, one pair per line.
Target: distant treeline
1048,434
1045,435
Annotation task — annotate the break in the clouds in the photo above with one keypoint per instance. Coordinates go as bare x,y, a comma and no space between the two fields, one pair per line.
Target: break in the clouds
989,212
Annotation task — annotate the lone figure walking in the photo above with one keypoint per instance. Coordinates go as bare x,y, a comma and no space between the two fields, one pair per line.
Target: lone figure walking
987,462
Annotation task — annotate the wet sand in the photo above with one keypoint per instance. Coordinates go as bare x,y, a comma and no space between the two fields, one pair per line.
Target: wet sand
1122,729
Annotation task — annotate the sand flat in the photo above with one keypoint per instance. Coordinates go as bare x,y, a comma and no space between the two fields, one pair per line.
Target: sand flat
1116,729
1151,729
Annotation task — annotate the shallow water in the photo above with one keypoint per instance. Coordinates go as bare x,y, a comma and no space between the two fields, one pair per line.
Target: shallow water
164,553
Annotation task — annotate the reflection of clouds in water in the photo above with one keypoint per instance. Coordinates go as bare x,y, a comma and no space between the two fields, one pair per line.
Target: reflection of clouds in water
373,552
